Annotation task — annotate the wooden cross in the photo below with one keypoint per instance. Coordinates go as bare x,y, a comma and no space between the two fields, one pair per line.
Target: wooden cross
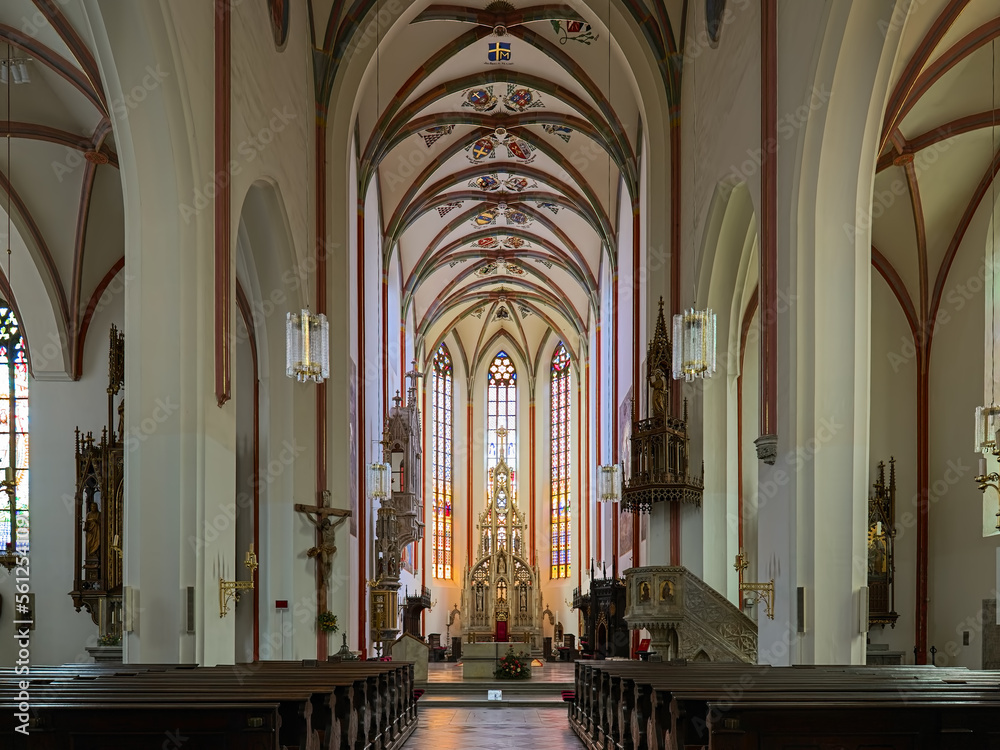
320,517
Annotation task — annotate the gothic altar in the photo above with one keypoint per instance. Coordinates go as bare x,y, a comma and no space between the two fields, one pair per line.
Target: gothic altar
501,592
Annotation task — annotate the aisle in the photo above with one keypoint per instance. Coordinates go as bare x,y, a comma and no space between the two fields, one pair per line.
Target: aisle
492,729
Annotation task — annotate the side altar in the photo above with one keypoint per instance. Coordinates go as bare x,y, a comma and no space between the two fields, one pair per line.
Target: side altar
502,594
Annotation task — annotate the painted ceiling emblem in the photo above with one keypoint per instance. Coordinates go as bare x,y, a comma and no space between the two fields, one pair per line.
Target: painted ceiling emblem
446,208
481,100
487,182
553,207
516,243
482,149
525,312
486,243
455,262
517,217
500,266
502,313
521,99
558,130
574,31
486,218
499,53
478,312
546,263
520,149
515,184
432,135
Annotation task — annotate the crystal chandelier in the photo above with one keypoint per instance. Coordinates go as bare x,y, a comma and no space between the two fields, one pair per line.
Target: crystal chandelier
987,423
609,483
379,481
307,346
694,344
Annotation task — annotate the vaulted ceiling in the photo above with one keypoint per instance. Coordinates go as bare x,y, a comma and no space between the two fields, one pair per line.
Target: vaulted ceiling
503,145
61,179
939,151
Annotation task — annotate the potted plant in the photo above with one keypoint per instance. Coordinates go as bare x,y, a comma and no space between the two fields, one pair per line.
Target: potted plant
327,622
513,667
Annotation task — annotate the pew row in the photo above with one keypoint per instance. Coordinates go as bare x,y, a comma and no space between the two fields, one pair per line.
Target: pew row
640,706
265,705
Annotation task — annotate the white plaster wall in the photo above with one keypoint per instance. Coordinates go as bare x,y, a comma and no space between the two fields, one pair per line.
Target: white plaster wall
962,562
894,433
61,634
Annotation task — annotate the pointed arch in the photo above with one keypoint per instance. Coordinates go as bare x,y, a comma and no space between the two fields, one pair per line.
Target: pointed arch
501,411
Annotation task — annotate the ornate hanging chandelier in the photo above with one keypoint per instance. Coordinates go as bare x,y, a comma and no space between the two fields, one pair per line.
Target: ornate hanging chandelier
307,346
694,344
609,483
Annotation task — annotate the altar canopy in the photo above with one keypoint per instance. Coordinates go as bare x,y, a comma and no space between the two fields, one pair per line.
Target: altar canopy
501,589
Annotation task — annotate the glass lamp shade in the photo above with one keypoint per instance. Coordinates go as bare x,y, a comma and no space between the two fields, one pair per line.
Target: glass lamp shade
694,344
379,479
307,346
609,483
987,424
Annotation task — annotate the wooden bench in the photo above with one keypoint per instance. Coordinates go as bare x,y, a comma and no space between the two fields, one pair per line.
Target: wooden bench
634,706
351,706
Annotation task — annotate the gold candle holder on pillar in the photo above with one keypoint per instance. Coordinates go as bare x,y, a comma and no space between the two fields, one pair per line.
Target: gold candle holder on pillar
763,591
233,589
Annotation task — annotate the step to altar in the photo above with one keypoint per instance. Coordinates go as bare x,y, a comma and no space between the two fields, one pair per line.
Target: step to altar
446,687
476,694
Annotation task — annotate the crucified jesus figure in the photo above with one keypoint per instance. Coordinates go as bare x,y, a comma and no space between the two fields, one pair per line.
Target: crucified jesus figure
320,517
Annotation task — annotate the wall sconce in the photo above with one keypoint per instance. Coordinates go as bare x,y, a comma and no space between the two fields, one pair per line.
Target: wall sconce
234,589
763,591
609,483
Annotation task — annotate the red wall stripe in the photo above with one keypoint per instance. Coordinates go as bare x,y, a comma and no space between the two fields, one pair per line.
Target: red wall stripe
223,200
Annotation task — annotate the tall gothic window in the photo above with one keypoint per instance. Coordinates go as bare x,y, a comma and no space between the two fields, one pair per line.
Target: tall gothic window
501,405
559,494
443,421
13,432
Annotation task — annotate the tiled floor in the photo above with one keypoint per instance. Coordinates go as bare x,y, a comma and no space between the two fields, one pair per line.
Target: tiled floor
492,729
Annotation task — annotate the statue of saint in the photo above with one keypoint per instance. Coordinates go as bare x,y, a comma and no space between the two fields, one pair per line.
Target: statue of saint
659,385
93,528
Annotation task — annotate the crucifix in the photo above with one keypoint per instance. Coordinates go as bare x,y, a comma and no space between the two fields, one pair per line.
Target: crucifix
320,517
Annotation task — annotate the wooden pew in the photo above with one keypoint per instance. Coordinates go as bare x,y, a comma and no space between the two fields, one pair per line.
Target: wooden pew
634,706
351,706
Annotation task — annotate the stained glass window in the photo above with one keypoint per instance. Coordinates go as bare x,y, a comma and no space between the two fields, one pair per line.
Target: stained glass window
501,404
443,422
13,432
559,434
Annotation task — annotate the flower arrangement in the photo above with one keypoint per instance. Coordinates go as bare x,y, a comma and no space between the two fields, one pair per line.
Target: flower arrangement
109,639
513,667
327,622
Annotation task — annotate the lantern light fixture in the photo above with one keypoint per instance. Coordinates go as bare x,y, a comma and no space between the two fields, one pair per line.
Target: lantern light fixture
307,346
694,344
609,483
